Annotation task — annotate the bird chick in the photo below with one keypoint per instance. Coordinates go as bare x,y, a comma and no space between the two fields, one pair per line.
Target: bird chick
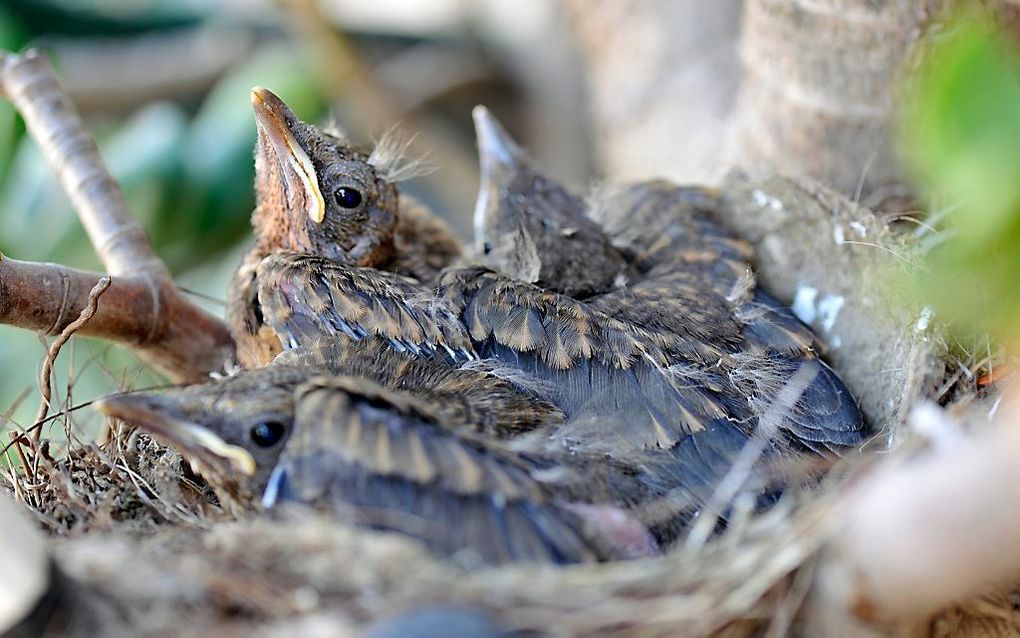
399,460
532,228
317,193
643,366
688,305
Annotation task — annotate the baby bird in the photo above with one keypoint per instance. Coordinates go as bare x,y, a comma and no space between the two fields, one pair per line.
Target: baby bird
402,460
317,193
534,229
684,290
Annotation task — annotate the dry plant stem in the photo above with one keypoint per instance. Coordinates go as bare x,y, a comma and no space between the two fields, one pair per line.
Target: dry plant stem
51,355
734,480
923,534
143,309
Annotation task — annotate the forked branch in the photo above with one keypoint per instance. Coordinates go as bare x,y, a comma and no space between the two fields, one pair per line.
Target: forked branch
142,309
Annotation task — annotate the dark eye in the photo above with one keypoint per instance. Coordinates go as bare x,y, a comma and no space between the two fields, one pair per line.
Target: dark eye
268,433
486,248
347,197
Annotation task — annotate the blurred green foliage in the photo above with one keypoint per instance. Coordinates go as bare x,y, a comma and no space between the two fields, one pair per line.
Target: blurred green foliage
109,17
960,135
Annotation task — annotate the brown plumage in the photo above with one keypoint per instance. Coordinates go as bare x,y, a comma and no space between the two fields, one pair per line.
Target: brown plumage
304,296
722,347
499,403
598,369
316,193
406,458
663,360
673,342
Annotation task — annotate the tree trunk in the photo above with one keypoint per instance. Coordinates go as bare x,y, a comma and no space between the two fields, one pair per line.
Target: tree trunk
816,97
689,89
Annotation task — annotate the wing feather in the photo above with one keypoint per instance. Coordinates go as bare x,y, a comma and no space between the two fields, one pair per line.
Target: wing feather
405,472
305,297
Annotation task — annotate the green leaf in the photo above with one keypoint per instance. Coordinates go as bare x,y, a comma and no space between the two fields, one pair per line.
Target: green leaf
960,136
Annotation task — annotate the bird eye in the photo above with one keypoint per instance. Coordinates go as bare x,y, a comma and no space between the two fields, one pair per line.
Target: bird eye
347,197
486,248
267,433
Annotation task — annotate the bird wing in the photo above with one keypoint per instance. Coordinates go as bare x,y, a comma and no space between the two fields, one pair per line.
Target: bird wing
680,311
525,318
381,456
661,224
305,297
746,347
475,396
769,326
649,365
257,344
696,277
613,381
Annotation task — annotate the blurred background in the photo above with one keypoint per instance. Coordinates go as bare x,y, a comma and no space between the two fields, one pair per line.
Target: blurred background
903,105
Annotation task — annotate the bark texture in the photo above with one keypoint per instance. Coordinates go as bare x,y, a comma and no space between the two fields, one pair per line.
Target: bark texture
663,76
143,309
819,78
828,255
688,89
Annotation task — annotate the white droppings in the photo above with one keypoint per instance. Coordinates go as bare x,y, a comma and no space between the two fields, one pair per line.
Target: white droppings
809,308
924,320
861,229
763,199
804,303
828,310
837,235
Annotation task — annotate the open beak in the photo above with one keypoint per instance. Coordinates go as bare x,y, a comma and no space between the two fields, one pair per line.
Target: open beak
274,120
156,415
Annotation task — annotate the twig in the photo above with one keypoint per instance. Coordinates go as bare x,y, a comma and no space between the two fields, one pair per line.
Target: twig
743,466
142,309
47,371
10,473
16,440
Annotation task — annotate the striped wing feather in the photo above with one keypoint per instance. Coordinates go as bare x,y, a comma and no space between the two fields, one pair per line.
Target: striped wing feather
381,455
305,297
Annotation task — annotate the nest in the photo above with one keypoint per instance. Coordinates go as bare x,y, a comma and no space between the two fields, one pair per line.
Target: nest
144,543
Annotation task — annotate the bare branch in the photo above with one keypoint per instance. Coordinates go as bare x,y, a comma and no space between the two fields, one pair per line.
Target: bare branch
30,83
163,327
142,309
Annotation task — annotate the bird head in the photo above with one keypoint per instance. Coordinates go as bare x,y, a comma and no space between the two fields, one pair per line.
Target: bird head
532,228
316,192
233,430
